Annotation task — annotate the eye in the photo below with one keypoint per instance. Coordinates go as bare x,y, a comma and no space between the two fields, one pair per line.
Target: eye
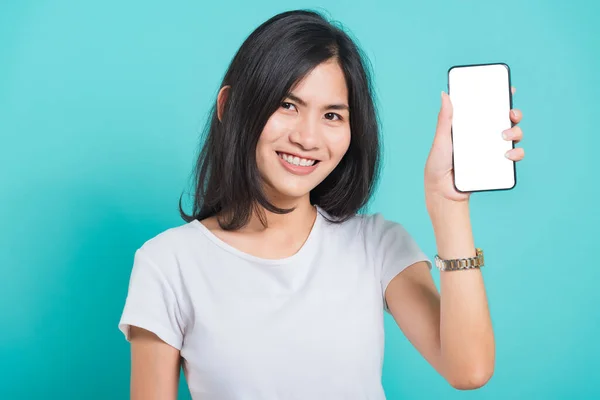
331,116
288,106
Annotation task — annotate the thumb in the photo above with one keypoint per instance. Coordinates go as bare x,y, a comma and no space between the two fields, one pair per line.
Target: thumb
444,125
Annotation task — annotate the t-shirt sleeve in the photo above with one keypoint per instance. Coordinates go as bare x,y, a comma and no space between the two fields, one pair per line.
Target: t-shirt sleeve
151,303
395,250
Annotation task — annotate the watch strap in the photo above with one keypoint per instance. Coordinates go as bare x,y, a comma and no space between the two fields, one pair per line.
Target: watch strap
460,263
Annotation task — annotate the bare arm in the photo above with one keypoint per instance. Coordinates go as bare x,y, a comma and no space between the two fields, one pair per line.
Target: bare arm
453,331
155,367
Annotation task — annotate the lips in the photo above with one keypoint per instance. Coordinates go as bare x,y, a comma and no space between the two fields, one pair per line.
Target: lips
297,165
297,160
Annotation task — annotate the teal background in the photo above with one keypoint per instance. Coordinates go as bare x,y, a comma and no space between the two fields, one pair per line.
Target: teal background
101,105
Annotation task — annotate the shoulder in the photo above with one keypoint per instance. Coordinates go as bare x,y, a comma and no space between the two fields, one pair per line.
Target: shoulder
372,228
383,240
170,247
364,223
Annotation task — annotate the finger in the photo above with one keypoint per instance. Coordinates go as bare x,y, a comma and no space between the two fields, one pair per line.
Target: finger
515,134
513,90
444,125
515,115
516,154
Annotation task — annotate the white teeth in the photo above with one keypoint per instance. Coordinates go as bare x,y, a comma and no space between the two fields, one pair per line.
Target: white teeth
303,162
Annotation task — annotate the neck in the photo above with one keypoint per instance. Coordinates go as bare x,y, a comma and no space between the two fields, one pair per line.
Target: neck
299,220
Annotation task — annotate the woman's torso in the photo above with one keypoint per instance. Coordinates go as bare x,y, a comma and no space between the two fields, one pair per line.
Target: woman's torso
309,326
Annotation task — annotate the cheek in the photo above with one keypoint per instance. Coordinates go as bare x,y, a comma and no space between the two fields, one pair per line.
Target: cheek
338,144
274,129
270,134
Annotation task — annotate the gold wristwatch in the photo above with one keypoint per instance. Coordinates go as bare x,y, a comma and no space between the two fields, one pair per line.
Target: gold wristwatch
460,263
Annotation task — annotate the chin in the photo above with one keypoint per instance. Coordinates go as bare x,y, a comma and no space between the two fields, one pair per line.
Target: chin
291,192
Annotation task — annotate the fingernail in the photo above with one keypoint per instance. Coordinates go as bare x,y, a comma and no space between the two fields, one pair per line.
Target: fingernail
514,113
507,154
505,135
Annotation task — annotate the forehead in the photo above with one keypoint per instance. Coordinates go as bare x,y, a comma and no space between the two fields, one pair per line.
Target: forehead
325,83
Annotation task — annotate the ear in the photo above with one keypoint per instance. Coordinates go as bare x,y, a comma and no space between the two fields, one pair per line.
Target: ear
221,100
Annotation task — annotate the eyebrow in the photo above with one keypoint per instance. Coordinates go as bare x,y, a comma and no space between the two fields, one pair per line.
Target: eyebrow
297,99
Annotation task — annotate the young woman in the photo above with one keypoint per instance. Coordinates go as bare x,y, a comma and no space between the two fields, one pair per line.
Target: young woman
275,286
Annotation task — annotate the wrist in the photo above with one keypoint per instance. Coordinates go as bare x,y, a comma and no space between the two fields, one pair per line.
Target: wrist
442,209
452,227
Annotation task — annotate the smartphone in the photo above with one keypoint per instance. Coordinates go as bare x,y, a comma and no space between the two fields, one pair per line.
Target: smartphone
482,99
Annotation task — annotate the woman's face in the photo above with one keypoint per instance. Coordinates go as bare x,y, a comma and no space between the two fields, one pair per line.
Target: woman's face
305,139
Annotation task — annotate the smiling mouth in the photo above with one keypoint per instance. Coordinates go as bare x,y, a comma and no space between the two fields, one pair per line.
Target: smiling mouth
297,161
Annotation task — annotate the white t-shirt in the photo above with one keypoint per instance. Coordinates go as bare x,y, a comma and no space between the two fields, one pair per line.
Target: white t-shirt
308,327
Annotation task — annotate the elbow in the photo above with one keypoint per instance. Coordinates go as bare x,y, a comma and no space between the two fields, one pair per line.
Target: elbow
473,379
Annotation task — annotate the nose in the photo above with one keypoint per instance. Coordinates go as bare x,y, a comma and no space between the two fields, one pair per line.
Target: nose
306,135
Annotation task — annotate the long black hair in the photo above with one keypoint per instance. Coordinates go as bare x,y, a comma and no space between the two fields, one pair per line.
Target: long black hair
275,57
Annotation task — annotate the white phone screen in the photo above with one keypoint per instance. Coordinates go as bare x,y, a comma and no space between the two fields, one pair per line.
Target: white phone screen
481,100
